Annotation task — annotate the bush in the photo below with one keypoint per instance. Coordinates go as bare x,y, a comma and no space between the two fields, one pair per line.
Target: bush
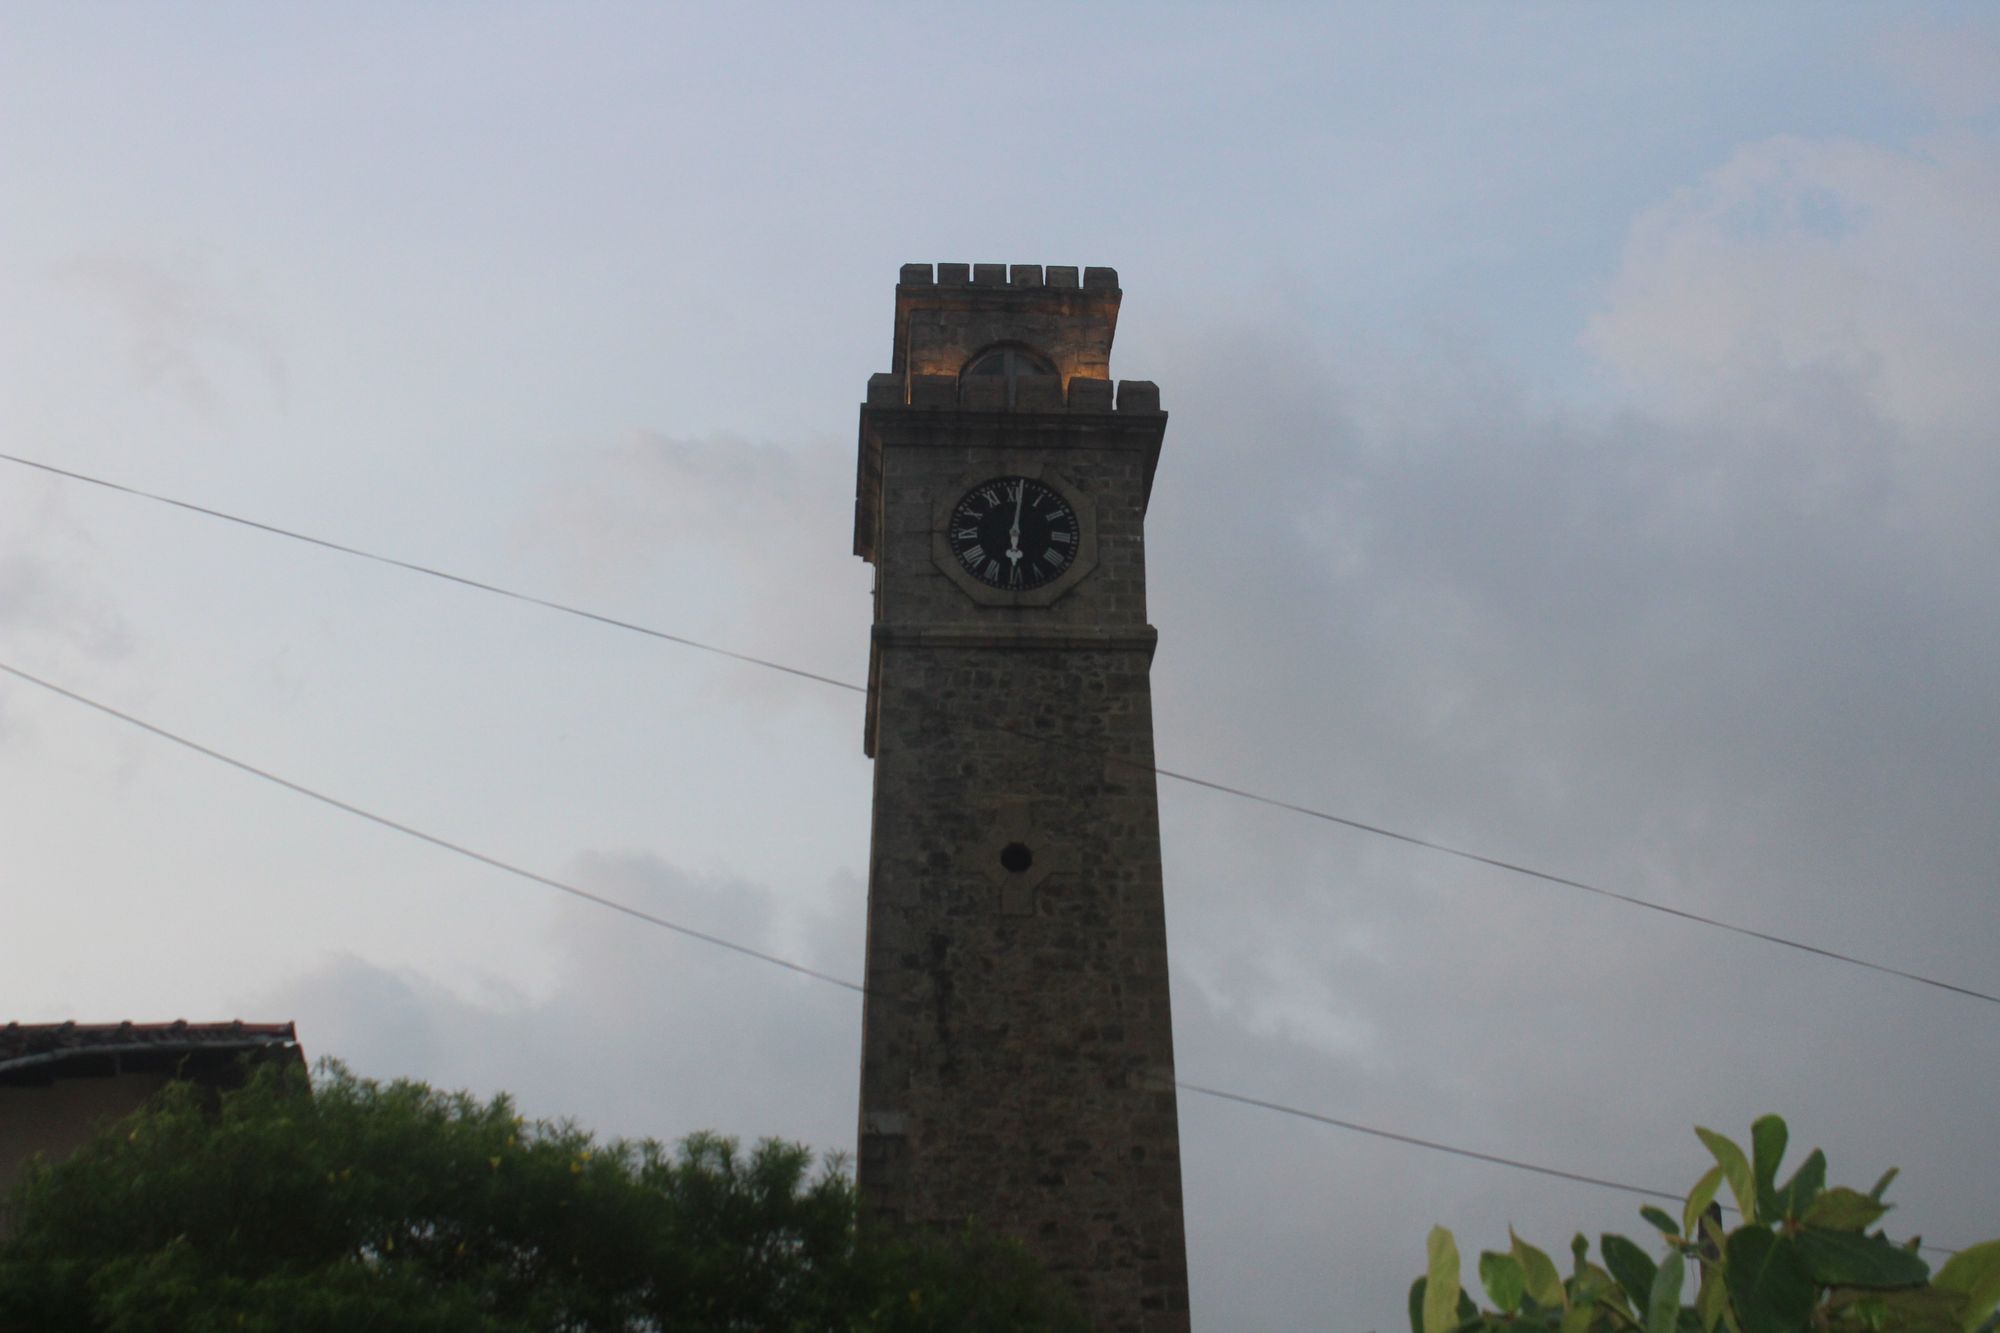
1801,1259
401,1208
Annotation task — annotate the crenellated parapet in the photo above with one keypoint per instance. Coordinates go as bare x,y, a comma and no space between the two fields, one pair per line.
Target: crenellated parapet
1060,316
1017,351
1043,332
1029,393
1020,276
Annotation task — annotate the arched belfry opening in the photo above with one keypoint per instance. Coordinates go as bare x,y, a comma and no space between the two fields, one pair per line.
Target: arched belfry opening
1009,362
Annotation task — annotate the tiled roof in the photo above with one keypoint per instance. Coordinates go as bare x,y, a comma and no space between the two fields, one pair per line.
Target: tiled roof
29,1044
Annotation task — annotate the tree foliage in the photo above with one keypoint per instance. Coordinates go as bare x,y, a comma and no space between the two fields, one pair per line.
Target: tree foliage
1802,1259
401,1208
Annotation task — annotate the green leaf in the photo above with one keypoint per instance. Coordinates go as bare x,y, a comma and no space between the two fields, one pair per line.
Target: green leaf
1735,1168
1842,1209
1441,1288
1768,1137
1850,1259
1769,1287
1902,1310
1663,1306
1974,1270
1855,1259
1698,1200
1629,1264
1503,1279
1594,1286
1539,1271
1664,1221
1798,1193
1713,1299
1882,1184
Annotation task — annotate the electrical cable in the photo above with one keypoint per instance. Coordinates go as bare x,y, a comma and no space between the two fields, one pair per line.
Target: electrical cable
689,932
446,575
460,848
1191,780
1300,1113
1432,1144
1543,875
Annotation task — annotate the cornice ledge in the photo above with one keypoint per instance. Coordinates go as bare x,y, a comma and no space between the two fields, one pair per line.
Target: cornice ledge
1142,638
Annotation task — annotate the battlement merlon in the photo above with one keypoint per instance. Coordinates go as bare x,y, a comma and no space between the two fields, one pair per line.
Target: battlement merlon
949,313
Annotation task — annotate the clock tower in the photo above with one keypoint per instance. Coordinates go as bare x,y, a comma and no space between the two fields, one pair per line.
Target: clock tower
1017,1047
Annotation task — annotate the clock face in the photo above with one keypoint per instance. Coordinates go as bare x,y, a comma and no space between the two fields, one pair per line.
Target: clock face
1014,533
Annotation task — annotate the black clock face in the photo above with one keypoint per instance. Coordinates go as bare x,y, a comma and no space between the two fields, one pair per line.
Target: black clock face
1014,533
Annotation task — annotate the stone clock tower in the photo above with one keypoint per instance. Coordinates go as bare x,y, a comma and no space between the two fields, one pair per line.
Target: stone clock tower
1017,1050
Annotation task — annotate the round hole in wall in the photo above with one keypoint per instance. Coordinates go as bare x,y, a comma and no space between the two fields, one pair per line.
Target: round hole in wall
1015,858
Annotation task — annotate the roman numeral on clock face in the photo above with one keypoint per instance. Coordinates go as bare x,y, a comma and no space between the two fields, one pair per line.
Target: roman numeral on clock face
1014,533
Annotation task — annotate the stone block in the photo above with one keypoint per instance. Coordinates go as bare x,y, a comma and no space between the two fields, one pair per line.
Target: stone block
1038,393
1062,275
983,393
1106,278
953,275
1138,396
885,390
1089,395
915,275
989,275
1025,275
933,391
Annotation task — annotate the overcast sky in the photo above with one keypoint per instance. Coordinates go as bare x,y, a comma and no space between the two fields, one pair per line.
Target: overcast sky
1582,450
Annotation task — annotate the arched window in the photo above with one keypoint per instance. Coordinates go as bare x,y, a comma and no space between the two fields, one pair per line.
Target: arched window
1009,361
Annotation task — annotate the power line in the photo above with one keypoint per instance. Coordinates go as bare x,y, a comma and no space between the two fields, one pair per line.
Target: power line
1300,1113
446,575
1566,882
1432,1144
689,932
1222,788
433,839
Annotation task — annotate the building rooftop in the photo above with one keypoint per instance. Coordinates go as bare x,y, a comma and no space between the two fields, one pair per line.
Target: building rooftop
37,1052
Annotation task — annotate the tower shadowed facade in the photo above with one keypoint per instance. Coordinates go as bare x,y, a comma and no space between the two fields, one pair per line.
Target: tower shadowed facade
1017,1042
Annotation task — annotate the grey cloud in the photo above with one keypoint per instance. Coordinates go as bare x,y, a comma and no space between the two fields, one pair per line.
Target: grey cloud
52,608
1734,650
737,535
186,331
645,1034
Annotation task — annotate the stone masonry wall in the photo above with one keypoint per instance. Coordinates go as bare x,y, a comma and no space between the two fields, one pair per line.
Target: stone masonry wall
1017,1063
